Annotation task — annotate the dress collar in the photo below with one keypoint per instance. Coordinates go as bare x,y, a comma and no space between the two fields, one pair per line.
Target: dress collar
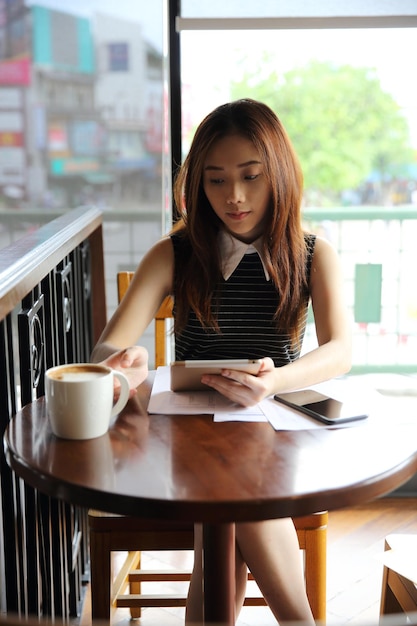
232,251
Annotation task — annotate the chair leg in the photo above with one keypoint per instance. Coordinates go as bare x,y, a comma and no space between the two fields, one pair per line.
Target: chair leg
100,564
121,581
389,602
135,587
315,571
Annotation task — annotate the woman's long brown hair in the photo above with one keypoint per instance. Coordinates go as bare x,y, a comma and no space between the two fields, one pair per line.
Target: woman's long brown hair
284,248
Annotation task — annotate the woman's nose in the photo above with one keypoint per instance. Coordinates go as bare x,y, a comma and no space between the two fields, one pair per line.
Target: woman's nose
235,194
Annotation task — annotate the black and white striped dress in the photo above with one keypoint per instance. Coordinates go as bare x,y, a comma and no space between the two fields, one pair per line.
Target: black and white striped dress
246,309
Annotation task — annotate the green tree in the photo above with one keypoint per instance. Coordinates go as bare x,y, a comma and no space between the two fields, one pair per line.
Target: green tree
341,122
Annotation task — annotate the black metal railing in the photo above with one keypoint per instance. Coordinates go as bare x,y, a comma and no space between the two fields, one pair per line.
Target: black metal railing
52,309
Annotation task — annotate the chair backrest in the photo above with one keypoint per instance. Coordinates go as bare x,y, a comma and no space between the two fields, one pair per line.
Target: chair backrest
164,312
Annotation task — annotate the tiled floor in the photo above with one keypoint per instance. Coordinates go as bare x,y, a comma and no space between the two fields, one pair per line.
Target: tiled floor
355,542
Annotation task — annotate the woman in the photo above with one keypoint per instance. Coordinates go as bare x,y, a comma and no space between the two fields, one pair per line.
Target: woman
242,271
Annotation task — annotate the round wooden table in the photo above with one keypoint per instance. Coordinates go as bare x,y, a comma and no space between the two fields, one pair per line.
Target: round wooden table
189,468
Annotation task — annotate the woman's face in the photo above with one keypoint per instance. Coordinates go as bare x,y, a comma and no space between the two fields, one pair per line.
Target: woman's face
236,187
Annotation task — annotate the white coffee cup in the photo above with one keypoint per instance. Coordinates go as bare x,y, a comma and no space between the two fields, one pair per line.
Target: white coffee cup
80,399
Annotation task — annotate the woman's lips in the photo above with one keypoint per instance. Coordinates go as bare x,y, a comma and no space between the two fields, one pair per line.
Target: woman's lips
238,216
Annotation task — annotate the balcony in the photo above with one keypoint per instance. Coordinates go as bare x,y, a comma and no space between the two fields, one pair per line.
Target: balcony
377,250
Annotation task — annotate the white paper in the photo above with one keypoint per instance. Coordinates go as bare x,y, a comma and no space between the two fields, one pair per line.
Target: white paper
241,414
282,417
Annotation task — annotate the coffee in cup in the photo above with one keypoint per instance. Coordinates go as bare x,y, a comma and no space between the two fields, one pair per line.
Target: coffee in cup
80,399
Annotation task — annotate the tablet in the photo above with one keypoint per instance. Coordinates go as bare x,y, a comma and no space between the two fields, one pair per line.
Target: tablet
321,407
186,375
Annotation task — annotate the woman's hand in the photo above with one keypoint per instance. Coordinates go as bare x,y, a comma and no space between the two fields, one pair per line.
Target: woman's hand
132,362
243,388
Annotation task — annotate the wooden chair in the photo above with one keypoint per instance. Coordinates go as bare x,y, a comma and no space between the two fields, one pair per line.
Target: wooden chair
110,533
164,312
399,591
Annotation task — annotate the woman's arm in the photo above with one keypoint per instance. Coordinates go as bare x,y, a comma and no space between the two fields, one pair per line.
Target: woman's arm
333,355
151,283
331,358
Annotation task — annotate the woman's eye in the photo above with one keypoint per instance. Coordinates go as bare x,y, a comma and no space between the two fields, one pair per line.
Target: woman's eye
251,176
216,181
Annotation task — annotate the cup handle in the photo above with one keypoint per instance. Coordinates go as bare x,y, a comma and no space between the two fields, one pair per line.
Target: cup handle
124,393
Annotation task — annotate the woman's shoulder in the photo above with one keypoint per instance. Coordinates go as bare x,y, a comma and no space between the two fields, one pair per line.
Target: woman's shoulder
324,251
159,253
316,243
323,243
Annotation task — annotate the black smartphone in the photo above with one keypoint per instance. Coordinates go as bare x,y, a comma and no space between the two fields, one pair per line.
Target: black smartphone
323,408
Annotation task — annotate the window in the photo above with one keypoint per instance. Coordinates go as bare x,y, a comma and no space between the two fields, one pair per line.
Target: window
338,74
118,58
77,81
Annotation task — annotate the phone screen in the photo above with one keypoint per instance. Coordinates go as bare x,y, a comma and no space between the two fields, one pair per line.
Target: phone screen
330,408
322,408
